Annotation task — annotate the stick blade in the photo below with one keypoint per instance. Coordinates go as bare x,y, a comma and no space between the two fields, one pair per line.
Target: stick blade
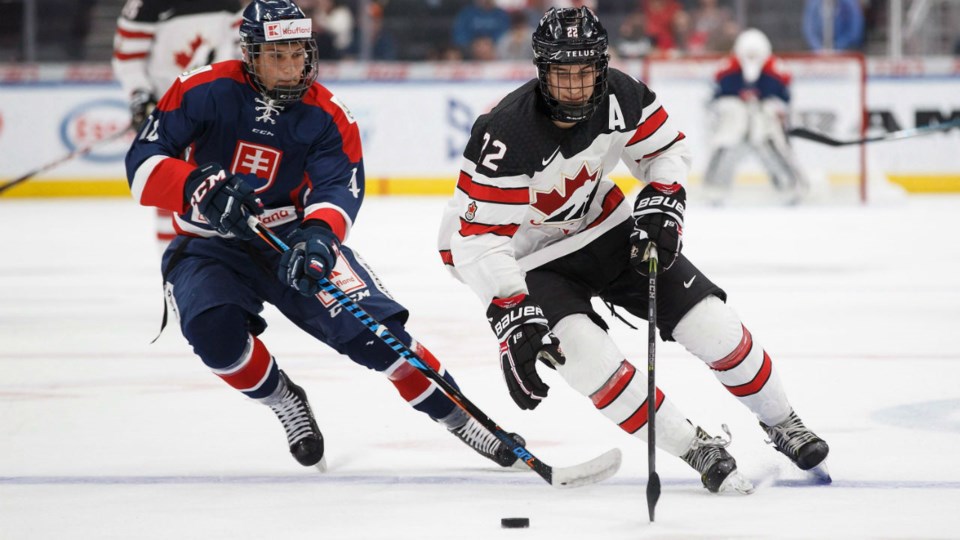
653,494
596,470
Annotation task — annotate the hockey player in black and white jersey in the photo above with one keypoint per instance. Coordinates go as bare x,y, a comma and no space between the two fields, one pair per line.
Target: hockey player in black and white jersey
536,229
157,40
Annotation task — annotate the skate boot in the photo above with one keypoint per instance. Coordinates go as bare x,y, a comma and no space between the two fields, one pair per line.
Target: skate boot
303,435
794,440
487,445
717,468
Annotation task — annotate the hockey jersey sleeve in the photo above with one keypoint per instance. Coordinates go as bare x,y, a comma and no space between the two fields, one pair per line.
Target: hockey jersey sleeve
156,170
133,44
335,169
656,151
489,206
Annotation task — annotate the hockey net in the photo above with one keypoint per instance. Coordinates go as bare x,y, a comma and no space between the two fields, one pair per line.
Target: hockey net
828,94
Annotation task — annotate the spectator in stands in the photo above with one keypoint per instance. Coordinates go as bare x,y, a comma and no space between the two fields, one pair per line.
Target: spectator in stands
383,42
714,28
483,49
660,16
847,25
335,19
515,44
482,18
634,41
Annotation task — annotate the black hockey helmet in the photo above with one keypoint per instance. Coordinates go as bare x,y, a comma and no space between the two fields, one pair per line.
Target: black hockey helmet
570,36
266,23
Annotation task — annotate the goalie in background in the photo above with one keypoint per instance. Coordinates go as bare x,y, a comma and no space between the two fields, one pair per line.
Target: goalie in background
750,111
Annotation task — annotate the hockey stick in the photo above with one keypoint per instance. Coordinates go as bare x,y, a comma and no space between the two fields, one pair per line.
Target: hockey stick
804,133
653,482
595,470
82,151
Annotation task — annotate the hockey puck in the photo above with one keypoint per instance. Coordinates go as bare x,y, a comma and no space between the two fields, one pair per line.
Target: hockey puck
515,523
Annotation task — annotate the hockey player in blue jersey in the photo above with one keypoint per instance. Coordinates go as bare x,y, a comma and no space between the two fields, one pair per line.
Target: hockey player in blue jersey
750,108
259,136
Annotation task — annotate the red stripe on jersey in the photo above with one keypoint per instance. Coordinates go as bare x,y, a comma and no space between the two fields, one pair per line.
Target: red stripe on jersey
164,186
446,256
773,68
679,137
231,69
731,66
481,192
473,229
131,34
649,126
733,359
166,237
757,383
332,218
639,418
129,56
252,371
319,96
610,203
614,386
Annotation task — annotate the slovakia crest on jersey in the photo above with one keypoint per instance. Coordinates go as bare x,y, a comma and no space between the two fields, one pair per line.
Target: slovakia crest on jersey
570,201
257,160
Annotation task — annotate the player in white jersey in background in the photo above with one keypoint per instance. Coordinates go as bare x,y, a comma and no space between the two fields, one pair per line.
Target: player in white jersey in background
537,230
157,40
750,113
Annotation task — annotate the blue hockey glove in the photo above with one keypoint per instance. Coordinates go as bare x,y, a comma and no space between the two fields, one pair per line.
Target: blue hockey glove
312,258
657,218
524,337
224,200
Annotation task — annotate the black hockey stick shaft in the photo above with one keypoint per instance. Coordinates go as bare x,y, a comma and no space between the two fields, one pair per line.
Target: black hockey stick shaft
545,471
82,151
815,136
653,482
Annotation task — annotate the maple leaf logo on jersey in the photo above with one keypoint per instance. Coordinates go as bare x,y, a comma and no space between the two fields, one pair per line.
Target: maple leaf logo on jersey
184,58
471,211
571,201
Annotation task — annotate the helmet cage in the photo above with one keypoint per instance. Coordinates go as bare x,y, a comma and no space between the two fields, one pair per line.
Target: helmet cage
264,25
570,36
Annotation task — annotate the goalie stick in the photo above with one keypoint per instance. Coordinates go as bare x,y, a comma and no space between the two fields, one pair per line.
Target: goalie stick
810,135
595,470
82,151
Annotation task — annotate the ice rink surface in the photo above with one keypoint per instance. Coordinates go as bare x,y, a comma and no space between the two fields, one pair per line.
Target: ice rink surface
103,435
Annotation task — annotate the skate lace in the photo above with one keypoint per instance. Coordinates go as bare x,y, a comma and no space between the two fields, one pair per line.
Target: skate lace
478,437
706,450
294,414
790,435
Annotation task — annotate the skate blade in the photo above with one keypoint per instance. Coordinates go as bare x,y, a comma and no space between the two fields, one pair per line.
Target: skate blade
820,474
322,464
736,484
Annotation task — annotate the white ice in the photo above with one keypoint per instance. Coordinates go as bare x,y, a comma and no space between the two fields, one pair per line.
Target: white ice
103,435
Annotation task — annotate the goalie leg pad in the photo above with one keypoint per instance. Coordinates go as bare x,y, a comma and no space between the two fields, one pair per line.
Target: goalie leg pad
596,368
713,332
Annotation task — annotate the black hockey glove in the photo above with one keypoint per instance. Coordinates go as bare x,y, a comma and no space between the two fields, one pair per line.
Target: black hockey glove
142,103
224,200
312,257
524,338
657,218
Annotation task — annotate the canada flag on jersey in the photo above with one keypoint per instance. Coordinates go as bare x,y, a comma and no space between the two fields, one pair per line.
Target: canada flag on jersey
258,160
570,201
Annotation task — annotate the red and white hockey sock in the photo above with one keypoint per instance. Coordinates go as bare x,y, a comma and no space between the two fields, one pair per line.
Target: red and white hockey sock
595,367
420,392
255,373
714,333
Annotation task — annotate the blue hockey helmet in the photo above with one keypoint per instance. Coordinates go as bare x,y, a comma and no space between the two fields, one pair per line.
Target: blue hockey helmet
567,36
266,24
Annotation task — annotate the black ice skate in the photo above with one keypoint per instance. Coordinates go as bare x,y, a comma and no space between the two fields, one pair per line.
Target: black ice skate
797,442
303,435
717,468
486,444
